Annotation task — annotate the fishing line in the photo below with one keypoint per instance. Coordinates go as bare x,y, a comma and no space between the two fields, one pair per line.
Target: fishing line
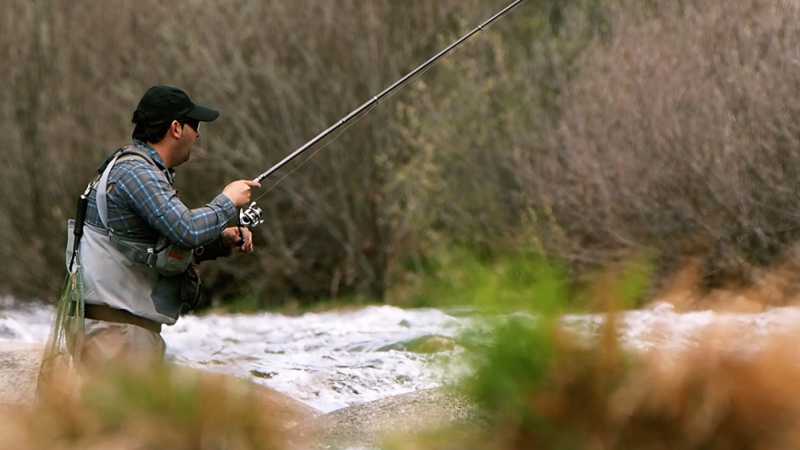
253,215
334,138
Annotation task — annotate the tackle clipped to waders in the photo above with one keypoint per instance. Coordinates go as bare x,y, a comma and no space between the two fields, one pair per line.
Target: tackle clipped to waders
252,216
68,326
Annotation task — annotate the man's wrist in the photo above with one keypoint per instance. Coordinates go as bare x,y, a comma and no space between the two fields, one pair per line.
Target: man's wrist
213,250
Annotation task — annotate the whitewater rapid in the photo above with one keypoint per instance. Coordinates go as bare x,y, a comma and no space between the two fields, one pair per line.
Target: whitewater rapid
336,359
327,360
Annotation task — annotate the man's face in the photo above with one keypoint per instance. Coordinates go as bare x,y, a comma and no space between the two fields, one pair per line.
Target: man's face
189,134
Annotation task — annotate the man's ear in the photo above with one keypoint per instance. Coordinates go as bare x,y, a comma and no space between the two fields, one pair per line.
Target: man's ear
176,129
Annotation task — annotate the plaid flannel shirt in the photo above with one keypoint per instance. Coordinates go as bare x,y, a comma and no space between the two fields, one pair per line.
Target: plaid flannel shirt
143,204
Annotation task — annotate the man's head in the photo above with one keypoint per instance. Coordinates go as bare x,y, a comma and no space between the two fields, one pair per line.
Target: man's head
167,118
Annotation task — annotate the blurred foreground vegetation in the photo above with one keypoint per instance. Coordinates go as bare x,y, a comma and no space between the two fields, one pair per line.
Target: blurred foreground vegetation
534,383
578,129
540,385
148,407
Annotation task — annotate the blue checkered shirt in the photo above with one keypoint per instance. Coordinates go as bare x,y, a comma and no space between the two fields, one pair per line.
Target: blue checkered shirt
143,205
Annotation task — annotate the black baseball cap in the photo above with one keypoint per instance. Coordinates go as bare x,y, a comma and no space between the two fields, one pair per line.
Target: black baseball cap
166,103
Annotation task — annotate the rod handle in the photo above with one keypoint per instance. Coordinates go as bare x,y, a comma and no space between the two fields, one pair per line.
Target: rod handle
80,216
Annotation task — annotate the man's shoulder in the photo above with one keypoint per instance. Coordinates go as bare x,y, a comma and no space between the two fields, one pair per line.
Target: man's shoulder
129,155
139,152
138,173
133,162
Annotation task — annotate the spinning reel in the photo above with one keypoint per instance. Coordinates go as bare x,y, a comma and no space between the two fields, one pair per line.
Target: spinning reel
251,217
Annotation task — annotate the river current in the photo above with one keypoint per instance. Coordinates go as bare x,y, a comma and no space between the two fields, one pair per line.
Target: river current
332,360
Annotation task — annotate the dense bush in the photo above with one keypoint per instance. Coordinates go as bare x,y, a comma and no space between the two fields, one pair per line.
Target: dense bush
680,133
581,128
280,72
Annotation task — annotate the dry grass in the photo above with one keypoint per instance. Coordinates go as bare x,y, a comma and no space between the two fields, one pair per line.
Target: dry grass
765,287
158,407
712,397
539,386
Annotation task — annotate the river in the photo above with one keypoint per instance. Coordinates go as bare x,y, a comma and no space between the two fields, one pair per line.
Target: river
335,359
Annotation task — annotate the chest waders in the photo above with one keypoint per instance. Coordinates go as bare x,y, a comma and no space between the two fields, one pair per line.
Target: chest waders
144,278
150,280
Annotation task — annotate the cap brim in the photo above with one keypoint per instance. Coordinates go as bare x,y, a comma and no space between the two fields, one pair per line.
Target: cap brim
202,114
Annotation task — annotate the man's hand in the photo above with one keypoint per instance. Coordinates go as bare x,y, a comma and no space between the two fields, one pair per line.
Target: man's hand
238,237
240,192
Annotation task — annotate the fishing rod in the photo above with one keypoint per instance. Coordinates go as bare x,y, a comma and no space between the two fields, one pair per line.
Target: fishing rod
252,216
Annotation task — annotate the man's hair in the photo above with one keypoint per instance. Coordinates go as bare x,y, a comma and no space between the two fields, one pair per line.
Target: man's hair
151,132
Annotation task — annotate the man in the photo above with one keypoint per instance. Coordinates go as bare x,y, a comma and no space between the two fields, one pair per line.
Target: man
140,240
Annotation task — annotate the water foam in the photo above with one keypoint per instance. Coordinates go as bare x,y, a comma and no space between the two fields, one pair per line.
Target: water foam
336,359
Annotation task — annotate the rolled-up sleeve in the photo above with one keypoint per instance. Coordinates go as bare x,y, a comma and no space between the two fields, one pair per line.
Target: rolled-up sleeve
153,198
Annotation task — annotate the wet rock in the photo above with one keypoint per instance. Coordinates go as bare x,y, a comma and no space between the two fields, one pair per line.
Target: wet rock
261,374
423,344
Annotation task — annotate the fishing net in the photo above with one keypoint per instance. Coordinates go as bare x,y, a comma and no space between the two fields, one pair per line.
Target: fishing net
66,335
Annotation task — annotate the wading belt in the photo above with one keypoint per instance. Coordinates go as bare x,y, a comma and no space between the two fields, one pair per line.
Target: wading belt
109,314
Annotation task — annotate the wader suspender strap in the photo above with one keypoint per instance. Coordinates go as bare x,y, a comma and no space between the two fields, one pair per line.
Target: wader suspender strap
102,185
101,199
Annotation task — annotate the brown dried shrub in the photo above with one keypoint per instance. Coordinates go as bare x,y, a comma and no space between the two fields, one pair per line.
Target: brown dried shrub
680,133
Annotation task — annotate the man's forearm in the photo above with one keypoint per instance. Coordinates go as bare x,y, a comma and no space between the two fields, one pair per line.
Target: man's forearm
152,197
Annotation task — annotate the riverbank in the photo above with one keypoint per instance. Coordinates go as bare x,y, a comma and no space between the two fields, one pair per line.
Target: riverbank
19,364
400,417
359,426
